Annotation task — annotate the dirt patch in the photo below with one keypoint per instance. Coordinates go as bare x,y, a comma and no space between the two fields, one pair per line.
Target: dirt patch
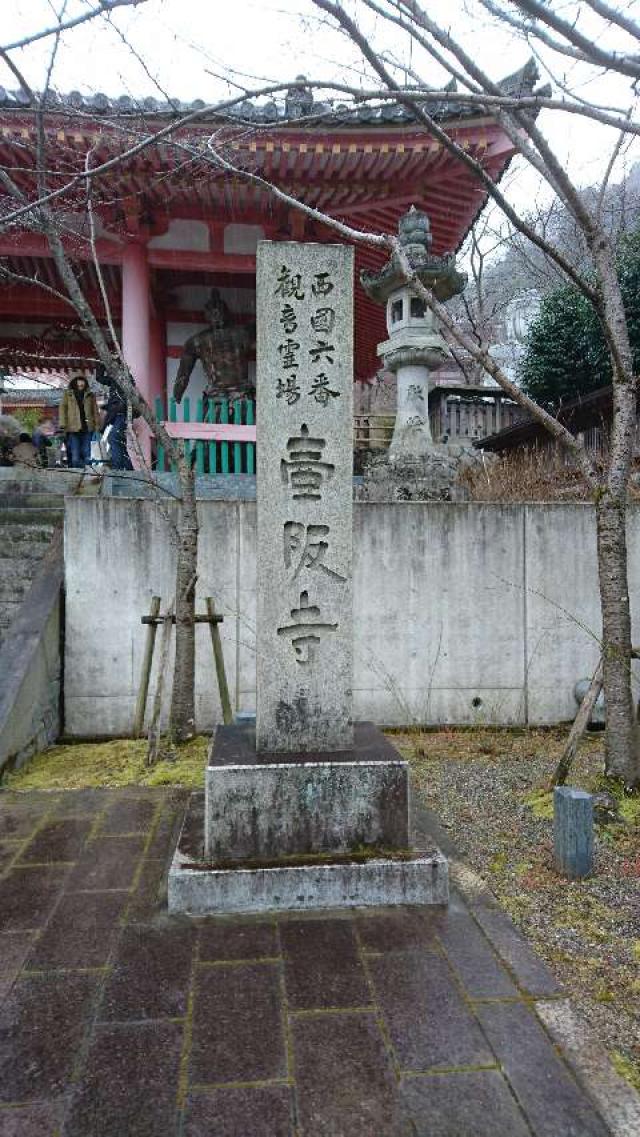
487,787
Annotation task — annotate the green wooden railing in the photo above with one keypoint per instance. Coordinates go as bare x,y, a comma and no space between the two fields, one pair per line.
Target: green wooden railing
221,443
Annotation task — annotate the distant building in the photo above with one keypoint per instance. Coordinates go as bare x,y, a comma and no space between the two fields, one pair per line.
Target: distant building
45,400
588,416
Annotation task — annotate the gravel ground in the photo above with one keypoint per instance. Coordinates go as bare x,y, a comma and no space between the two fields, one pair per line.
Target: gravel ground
486,788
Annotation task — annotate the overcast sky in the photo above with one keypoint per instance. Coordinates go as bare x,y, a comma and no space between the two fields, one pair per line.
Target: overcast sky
185,47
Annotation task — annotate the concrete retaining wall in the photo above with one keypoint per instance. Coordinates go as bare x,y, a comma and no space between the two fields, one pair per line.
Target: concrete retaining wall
30,666
463,613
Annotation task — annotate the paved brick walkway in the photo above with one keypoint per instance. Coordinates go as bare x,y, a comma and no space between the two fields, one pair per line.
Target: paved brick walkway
117,1021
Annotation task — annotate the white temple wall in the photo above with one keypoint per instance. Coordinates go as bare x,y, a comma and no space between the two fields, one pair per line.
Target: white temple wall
463,613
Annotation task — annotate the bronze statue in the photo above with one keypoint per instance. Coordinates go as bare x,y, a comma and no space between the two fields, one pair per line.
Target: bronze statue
224,352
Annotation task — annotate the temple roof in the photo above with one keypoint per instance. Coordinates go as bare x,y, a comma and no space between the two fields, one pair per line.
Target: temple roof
299,104
363,165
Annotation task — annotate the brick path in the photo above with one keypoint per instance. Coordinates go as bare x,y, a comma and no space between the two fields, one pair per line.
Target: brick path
117,1021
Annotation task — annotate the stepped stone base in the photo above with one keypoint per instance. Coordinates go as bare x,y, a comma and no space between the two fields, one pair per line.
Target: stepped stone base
312,832
196,890
272,805
198,887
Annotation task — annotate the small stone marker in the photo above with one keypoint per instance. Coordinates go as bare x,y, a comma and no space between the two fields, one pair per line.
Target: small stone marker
304,488
573,832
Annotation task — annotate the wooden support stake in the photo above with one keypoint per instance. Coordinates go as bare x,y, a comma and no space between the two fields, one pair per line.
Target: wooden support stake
196,619
152,622
154,725
577,730
581,722
227,712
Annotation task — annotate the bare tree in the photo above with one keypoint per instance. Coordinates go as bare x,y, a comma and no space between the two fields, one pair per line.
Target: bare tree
45,220
595,277
548,21
593,35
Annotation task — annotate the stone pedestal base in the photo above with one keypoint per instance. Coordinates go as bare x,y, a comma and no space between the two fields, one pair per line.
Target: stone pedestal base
321,831
433,476
200,888
266,806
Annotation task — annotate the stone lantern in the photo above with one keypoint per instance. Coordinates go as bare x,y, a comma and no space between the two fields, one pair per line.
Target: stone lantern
415,347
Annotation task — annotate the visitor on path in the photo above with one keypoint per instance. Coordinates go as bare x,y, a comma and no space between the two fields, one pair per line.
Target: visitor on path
115,416
78,420
42,439
24,453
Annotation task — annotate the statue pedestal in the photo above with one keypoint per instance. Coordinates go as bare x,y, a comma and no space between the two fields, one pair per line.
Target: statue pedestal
413,354
433,475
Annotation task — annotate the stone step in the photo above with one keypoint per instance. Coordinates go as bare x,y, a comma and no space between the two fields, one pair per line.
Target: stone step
38,481
12,593
36,528
22,564
8,612
27,525
23,516
31,501
25,546
15,539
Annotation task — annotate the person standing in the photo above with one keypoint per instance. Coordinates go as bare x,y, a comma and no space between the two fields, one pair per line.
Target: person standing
42,439
78,419
24,452
116,417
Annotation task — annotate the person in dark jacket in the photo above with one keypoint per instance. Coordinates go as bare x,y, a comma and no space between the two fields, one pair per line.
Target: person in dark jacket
42,439
115,416
78,419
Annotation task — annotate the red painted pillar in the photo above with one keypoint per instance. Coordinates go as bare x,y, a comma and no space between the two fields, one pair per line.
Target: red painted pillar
136,330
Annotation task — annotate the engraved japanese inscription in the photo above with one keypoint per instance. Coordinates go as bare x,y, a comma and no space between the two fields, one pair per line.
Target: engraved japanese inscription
304,490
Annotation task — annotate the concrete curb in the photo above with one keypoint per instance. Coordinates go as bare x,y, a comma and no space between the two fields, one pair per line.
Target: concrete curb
617,1101
613,1096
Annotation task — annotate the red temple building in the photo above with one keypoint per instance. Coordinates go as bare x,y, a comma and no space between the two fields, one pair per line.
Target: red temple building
170,225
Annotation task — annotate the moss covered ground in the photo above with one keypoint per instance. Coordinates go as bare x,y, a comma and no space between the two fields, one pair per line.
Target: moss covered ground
120,762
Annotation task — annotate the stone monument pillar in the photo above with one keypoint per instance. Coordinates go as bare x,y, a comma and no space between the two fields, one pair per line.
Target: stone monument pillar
304,491
306,810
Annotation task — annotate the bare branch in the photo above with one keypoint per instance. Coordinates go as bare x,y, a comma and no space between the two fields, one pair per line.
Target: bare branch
615,153
615,17
528,31
465,158
590,51
97,266
316,214
105,8
11,277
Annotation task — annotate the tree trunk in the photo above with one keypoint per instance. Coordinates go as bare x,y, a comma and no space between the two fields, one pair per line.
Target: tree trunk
622,758
182,717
